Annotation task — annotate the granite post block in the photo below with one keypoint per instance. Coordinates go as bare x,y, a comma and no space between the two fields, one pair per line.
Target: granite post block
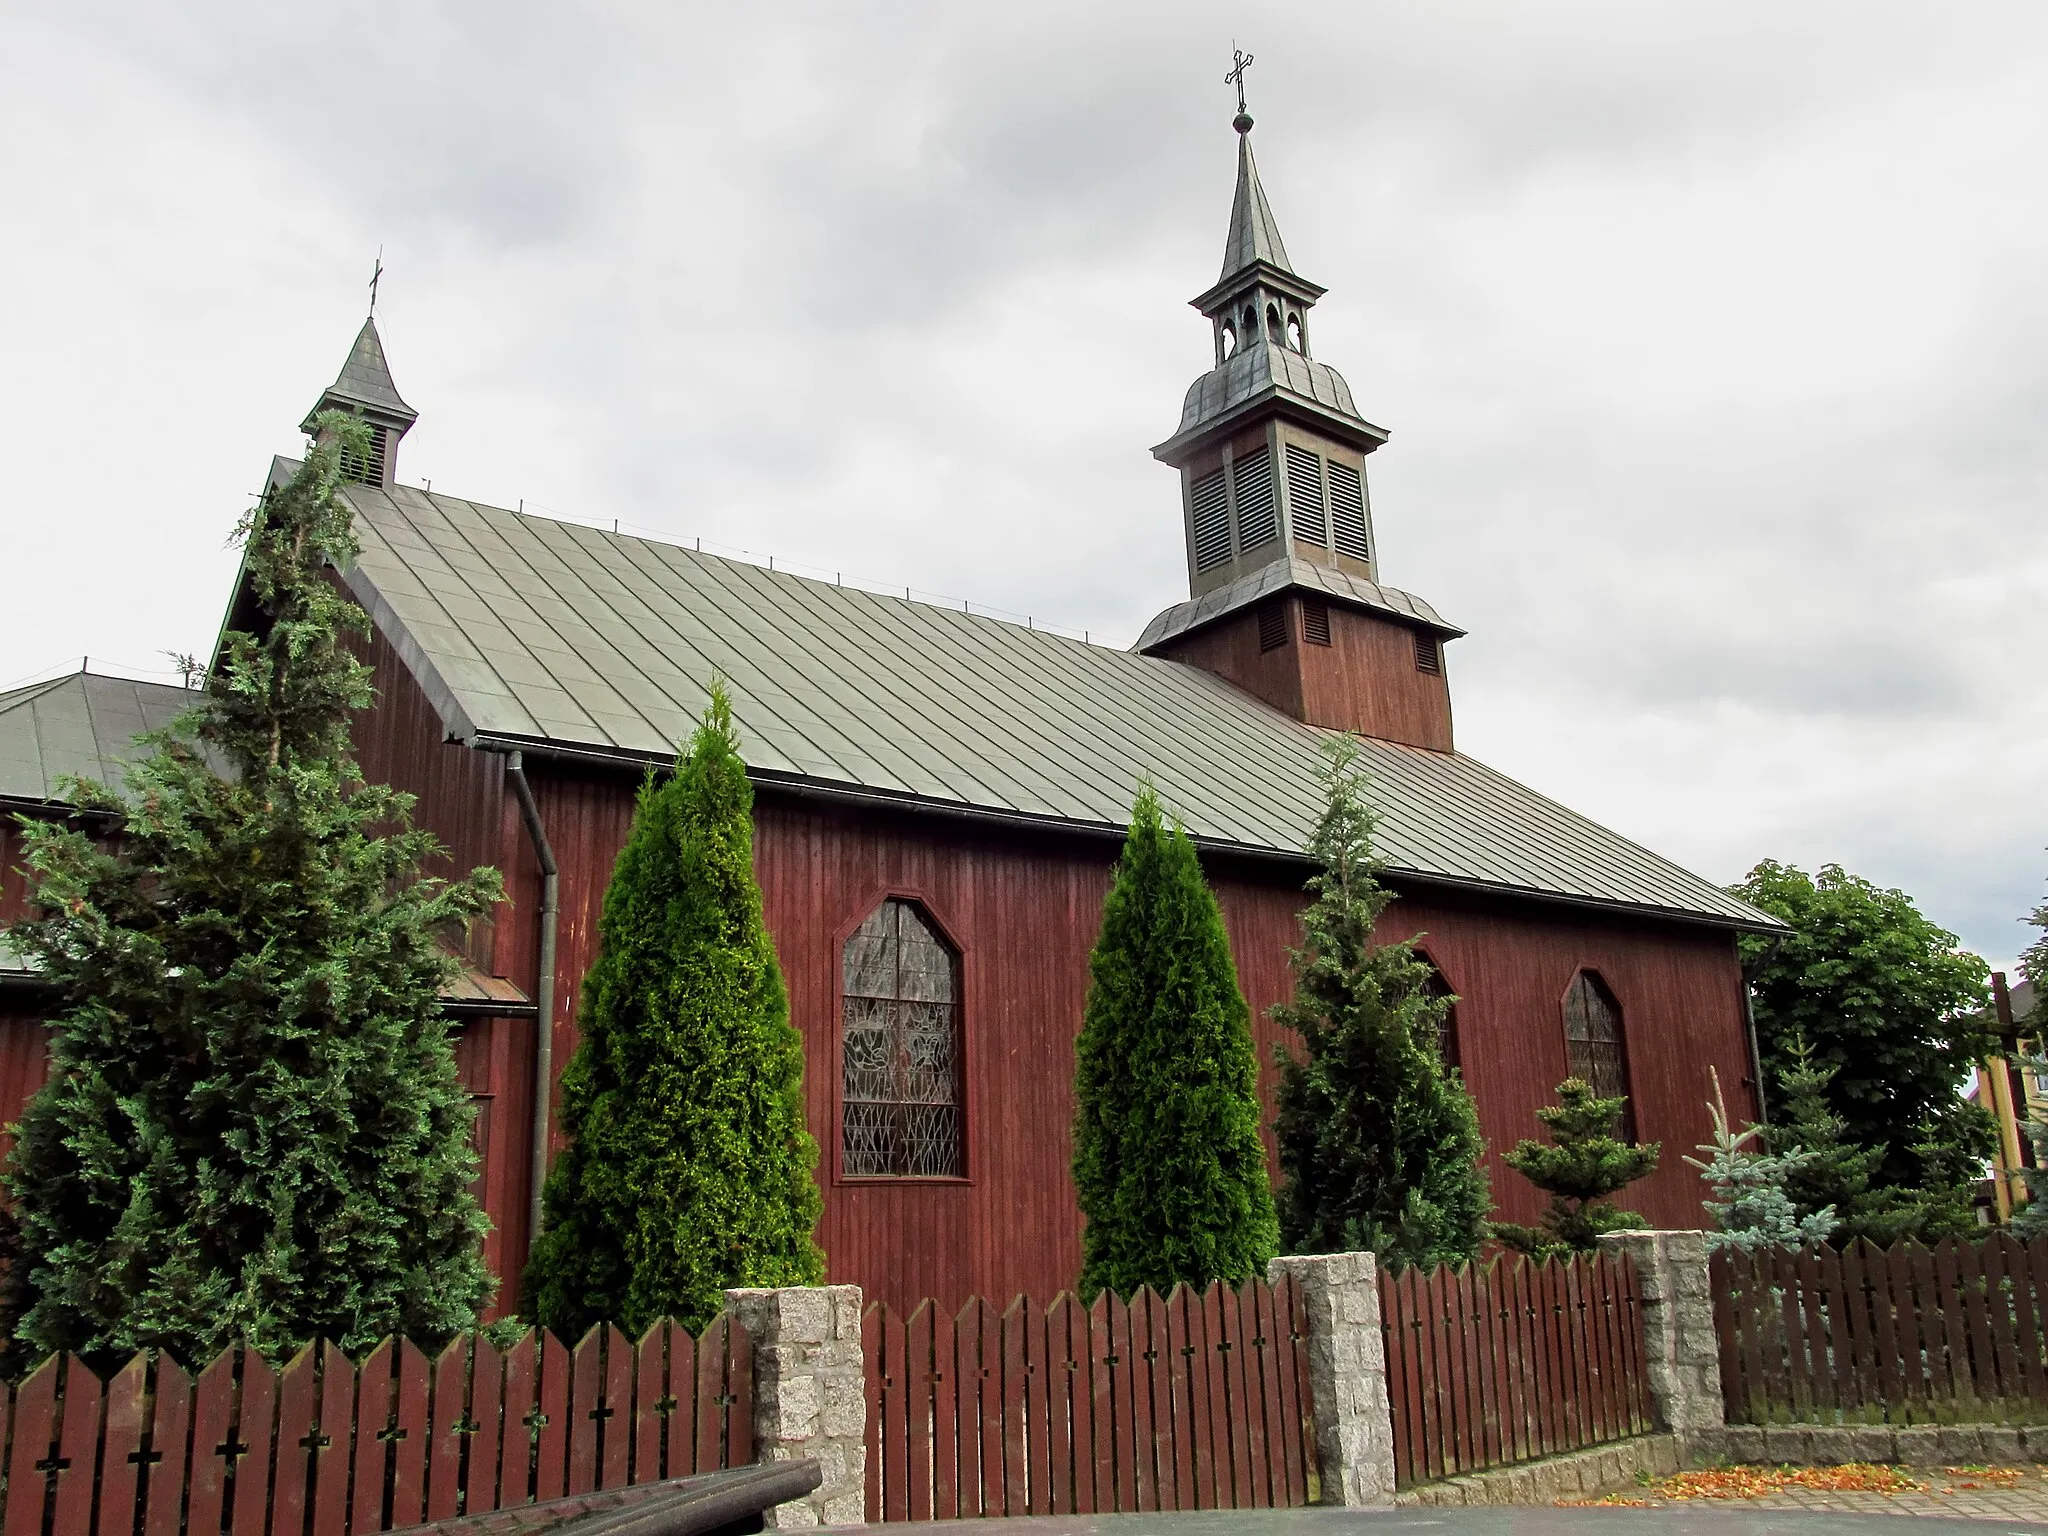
810,1395
1347,1366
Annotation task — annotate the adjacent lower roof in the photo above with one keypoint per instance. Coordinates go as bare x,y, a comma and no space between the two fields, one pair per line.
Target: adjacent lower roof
82,725
529,632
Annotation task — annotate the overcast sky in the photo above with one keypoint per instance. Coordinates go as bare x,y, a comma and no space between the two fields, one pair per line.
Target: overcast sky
1713,340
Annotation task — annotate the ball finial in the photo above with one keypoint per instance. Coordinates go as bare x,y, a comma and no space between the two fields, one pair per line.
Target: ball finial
1242,122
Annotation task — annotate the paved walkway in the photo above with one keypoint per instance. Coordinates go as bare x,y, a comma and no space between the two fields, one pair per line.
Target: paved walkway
2009,1494
1703,1518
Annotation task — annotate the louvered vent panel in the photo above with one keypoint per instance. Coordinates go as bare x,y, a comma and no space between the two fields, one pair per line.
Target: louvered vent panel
1347,512
1256,524
366,469
1429,654
1305,495
1315,621
1272,626
1212,521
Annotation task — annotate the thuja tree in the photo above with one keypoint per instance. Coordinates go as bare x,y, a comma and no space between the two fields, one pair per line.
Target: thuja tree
1168,1163
688,1167
253,1127
1583,1163
1379,1141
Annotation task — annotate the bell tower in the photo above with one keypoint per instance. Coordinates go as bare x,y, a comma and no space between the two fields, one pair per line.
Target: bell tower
1283,570
364,388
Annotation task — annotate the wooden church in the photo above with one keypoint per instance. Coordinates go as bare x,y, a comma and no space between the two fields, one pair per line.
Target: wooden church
941,797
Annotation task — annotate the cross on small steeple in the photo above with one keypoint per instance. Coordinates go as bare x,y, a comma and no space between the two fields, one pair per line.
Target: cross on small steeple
1240,61
377,273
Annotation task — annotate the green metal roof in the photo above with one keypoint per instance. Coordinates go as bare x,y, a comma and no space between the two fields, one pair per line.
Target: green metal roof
81,724
527,631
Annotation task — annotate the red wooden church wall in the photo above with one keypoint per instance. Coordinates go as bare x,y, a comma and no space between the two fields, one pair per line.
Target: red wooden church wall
1023,910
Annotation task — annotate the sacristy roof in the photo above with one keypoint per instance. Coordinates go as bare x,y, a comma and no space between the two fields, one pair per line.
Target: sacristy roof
525,631
81,724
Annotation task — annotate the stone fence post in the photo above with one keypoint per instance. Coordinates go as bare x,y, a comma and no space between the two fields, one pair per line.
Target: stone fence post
1681,1356
810,1395
1347,1369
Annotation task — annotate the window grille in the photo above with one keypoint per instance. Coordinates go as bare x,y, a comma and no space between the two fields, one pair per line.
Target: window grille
1429,654
1272,626
1211,507
1347,512
900,1048
1594,1046
1256,523
1305,495
1447,1026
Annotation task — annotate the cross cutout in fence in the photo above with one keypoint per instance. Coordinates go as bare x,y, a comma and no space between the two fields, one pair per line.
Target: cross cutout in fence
231,1450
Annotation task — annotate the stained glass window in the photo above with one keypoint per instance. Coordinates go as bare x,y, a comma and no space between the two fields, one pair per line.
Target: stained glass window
900,1045
1593,1043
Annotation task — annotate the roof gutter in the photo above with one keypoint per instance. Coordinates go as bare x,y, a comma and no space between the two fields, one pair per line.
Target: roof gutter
874,799
544,988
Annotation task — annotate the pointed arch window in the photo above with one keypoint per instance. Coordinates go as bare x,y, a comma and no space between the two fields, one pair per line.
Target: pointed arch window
1447,1026
900,1107
1595,1042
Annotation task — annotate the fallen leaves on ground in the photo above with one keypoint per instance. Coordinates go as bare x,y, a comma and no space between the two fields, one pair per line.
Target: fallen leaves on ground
1980,1478
1761,1482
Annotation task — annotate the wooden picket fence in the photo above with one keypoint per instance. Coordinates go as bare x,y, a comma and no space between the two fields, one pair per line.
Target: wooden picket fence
1194,1400
1908,1335
327,1447
1495,1363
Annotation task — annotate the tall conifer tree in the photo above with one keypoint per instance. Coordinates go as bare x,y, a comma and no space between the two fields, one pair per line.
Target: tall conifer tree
253,1126
1168,1163
1379,1141
688,1168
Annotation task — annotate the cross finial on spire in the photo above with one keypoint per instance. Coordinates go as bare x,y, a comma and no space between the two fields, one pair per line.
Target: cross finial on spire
1240,61
376,276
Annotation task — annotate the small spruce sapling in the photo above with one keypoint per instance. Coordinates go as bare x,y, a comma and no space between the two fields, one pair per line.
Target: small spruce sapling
1379,1141
1751,1208
1168,1165
1581,1166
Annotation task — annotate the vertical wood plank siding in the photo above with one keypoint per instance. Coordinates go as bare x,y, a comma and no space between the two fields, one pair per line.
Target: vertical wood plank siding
1024,908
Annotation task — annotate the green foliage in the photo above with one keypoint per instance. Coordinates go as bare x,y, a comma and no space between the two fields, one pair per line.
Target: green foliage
1751,1208
1168,1164
2031,1219
688,1167
1890,1003
253,1128
1583,1164
1379,1141
1836,1174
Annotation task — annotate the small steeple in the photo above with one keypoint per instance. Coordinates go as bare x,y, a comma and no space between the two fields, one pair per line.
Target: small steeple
364,388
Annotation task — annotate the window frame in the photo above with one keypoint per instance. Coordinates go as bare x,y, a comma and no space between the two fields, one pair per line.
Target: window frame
950,936
1598,980
1456,1058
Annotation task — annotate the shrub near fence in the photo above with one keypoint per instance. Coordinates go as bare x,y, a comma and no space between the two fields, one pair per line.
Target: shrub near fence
326,1447
1910,1335
1194,1400
1496,1363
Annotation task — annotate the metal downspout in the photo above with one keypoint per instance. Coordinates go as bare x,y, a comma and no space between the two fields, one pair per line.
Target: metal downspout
1756,1063
544,1024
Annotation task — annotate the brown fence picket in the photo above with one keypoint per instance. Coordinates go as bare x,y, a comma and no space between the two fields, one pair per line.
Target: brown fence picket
409,1437
120,1461
254,1428
586,1372
446,1431
487,1438
652,1405
1104,1372
213,1408
945,1397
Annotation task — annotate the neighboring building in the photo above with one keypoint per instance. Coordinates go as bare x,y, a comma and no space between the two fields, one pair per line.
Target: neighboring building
941,797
